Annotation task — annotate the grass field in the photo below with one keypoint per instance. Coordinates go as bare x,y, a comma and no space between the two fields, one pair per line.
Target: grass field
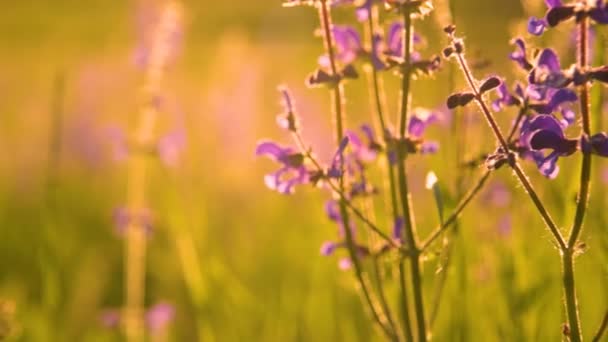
236,261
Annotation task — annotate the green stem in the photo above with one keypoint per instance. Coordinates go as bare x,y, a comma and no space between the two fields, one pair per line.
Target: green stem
583,194
459,208
337,93
570,294
513,163
410,228
602,328
407,330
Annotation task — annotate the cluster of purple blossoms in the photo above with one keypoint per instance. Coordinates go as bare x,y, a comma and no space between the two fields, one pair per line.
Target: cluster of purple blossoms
558,12
545,105
349,163
386,52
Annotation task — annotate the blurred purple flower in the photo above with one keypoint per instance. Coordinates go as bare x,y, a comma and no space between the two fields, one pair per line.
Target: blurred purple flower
394,42
497,195
288,120
119,146
505,226
170,147
122,218
398,228
292,171
417,125
159,316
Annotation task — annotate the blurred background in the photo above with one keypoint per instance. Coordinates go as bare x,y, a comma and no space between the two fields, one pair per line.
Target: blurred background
228,259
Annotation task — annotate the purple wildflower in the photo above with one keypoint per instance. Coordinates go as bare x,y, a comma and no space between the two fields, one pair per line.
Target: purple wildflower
417,125
288,119
159,316
394,42
536,26
558,12
520,54
292,171
349,48
545,132
596,144
122,218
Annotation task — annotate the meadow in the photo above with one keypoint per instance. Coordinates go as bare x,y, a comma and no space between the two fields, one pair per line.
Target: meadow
224,257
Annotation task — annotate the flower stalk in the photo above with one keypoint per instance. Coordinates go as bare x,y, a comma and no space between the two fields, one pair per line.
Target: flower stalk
337,98
135,242
406,205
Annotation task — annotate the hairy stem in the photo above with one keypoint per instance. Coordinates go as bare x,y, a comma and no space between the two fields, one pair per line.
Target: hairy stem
513,163
375,81
406,206
583,194
337,94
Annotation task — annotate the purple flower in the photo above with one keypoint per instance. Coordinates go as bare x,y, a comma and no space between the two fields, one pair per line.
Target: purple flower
417,125
332,209
328,248
349,48
520,55
292,171
596,10
498,195
159,316
596,144
362,11
505,98
547,71
288,119
394,42
364,151
536,26
544,132
337,164
122,218
345,264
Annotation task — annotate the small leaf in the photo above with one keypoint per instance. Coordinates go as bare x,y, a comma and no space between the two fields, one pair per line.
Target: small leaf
465,98
350,72
454,100
489,84
432,183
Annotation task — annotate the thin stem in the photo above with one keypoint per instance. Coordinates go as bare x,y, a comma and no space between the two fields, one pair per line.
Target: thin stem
523,178
405,311
601,329
407,330
459,208
570,294
382,296
583,194
135,242
337,100
520,116
410,228
342,195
